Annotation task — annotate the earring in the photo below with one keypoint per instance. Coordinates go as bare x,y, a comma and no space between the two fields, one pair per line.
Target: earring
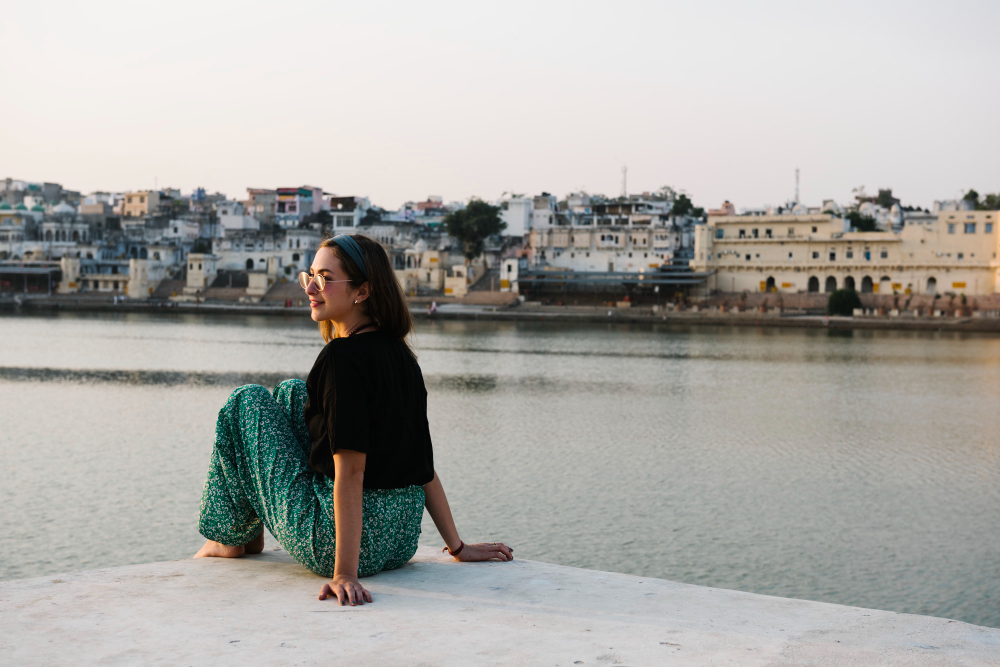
355,302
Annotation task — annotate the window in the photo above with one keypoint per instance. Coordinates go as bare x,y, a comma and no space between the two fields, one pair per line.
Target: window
789,255
868,255
791,231
743,233
988,227
748,257
833,256
850,254
754,233
757,256
815,255
970,228
719,233
951,227
814,230
767,233
961,256
884,254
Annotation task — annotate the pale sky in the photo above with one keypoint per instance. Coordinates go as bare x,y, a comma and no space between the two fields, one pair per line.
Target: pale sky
400,100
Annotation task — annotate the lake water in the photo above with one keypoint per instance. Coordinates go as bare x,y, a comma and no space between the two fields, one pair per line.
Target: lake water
862,469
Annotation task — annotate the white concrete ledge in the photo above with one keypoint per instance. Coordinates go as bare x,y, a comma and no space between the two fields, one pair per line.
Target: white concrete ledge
262,610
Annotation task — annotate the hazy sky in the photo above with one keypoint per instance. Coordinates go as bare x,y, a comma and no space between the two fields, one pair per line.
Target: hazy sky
399,100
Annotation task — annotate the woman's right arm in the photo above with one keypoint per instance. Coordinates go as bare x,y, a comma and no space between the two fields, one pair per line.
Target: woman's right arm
437,506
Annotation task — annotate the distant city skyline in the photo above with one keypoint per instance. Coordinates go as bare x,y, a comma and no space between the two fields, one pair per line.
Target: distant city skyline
398,102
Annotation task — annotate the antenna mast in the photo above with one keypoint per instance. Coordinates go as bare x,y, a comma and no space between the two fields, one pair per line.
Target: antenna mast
624,181
796,185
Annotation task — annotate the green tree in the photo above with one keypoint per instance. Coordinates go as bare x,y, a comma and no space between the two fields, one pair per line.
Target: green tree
885,198
373,216
682,205
973,198
843,302
473,224
991,202
861,223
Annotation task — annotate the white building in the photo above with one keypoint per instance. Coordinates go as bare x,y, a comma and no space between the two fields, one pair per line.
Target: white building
517,213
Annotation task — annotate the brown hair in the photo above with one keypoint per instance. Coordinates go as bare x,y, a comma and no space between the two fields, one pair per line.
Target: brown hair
385,305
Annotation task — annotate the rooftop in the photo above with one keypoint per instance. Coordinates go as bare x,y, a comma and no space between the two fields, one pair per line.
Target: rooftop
263,610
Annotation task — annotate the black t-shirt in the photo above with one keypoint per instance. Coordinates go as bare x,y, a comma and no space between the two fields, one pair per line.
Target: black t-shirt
366,393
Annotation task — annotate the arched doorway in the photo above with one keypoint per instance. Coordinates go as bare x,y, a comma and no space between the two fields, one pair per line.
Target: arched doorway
866,285
849,283
931,286
249,263
76,235
885,285
813,284
769,285
48,235
831,284
143,253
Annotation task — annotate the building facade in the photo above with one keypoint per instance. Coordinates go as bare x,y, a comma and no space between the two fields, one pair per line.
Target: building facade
954,252
140,204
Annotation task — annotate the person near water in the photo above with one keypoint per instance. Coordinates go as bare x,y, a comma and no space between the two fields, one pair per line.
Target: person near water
338,468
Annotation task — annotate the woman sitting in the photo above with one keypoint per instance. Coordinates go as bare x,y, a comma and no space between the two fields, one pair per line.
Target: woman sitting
339,468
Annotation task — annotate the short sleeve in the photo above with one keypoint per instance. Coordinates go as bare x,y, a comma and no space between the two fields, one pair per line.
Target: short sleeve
347,412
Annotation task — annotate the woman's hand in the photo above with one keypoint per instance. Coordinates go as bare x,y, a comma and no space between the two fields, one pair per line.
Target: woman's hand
484,551
347,589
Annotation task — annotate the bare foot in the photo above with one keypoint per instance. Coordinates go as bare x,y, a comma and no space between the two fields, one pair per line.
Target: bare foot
216,550
256,545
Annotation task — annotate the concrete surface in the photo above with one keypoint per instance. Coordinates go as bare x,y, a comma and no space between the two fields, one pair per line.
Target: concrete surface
262,610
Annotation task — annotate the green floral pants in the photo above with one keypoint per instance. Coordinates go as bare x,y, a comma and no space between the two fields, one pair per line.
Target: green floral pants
260,474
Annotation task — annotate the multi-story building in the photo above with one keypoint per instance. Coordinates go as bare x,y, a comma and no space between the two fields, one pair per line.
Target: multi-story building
347,212
294,204
250,249
261,203
632,235
955,252
141,203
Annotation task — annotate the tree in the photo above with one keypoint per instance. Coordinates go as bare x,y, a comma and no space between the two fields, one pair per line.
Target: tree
666,193
473,224
861,223
373,216
991,202
885,198
843,302
973,198
682,205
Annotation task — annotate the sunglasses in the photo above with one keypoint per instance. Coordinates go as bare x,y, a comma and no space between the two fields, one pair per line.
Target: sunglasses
318,278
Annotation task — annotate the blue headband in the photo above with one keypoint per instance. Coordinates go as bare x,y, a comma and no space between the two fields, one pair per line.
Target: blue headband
353,250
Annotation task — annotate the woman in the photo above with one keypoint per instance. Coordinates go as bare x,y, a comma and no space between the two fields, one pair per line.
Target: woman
338,468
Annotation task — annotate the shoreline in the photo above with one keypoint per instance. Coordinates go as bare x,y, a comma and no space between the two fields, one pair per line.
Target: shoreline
534,313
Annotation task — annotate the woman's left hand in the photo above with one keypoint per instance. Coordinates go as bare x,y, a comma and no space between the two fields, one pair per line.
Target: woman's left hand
484,551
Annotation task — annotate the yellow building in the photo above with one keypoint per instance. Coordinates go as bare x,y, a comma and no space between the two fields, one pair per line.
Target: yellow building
956,253
142,203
